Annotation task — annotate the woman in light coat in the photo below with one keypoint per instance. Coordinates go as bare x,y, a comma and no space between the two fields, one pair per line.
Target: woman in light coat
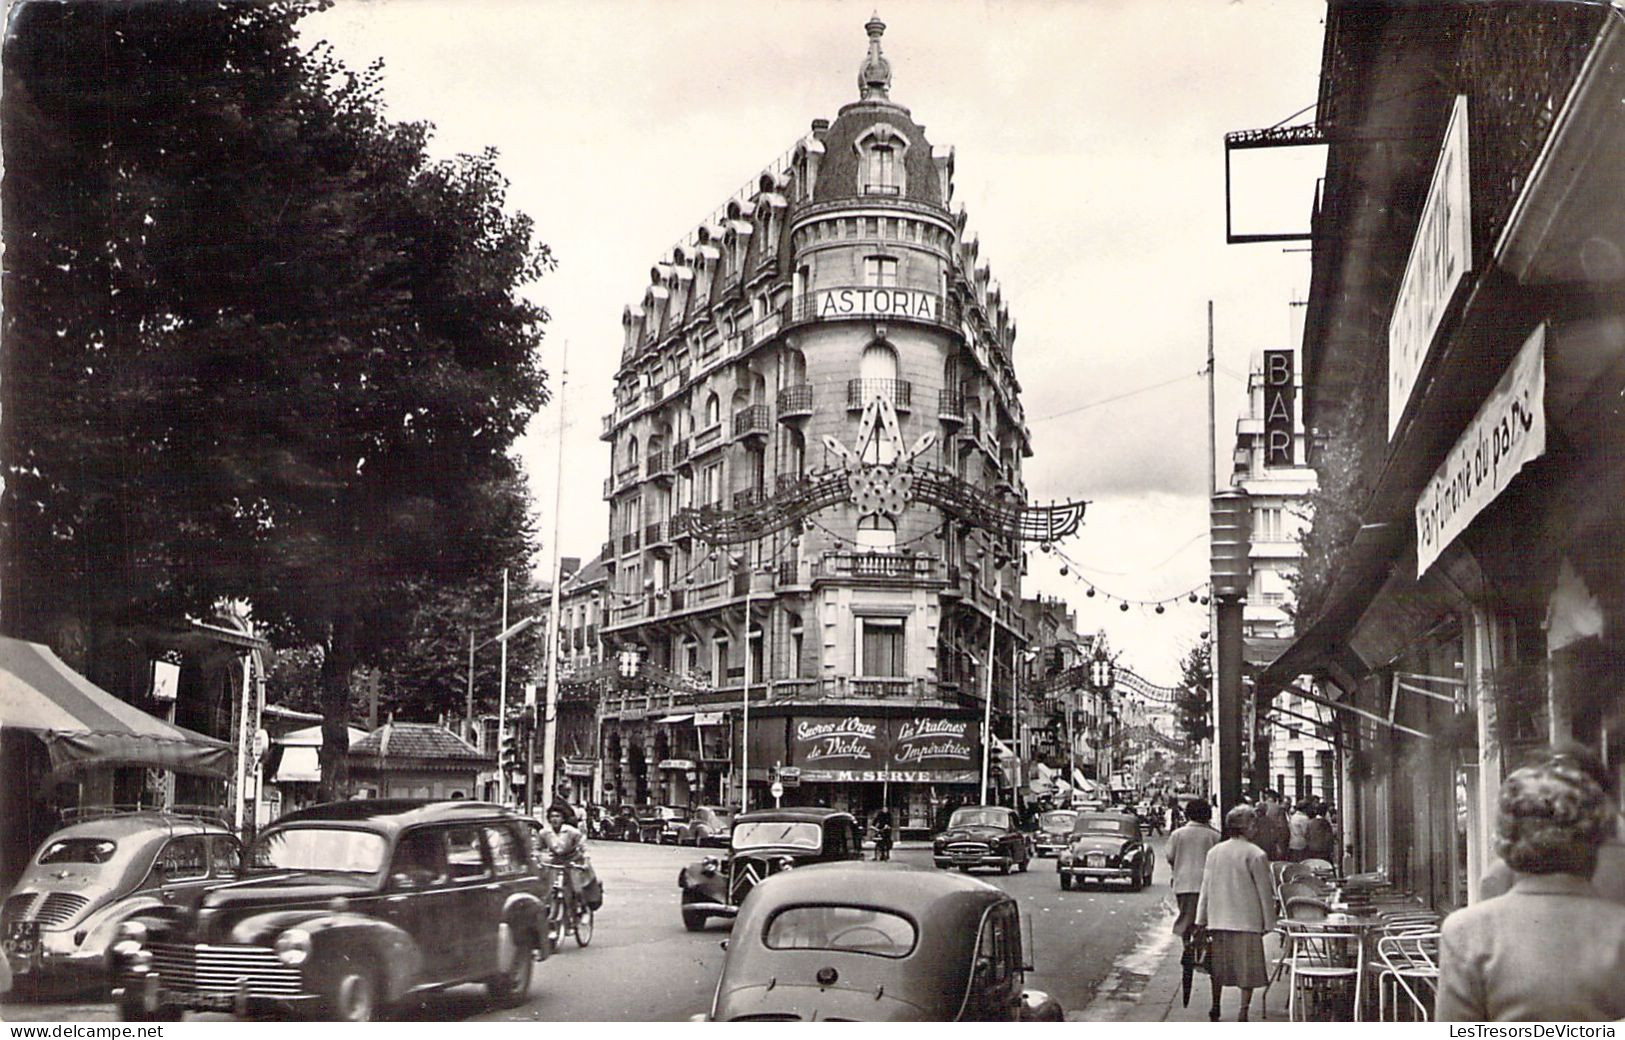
1237,906
1552,949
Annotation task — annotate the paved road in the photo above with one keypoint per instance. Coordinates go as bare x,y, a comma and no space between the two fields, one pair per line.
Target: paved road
643,966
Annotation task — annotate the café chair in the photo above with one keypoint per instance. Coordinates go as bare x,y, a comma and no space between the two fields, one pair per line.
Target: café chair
1407,962
1324,955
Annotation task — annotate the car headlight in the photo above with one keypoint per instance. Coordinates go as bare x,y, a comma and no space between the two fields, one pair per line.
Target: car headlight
133,932
293,946
785,862
709,865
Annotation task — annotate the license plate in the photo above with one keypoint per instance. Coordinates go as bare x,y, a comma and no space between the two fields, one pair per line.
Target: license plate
211,1001
22,938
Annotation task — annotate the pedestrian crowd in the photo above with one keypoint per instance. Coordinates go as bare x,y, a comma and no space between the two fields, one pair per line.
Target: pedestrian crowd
1544,942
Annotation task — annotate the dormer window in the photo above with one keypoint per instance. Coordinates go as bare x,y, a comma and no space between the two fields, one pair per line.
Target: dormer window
882,171
881,150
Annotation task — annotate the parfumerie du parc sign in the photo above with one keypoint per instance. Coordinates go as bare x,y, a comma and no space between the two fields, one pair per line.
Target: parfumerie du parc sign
857,748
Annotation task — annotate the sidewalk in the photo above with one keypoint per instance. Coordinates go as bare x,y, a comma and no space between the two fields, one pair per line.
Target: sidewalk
1160,1001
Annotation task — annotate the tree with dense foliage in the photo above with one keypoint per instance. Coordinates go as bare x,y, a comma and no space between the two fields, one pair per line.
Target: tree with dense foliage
1193,701
258,344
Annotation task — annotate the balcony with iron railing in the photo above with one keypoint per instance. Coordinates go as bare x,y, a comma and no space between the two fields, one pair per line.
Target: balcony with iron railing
788,574
707,439
859,392
789,483
951,406
679,453
654,537
878,566
748,497
609,487
795,402
754,421
658,465
888,303
629,542
626,476
608,551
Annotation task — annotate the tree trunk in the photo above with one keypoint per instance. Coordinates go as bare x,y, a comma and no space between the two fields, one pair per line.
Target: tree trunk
337,664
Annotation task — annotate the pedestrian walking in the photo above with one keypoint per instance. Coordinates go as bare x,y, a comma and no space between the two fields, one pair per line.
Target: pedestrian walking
1237,906
1318,840
1298,831
1552,949
1187,857
1609,877
1274,832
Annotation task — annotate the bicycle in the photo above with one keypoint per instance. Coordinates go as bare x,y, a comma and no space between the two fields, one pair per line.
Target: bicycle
565,914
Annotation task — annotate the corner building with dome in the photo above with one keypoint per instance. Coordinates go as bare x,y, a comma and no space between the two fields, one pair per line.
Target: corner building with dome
830,318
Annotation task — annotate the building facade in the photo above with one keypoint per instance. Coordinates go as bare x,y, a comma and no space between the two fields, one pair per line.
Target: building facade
1464,367
1291,752
834,305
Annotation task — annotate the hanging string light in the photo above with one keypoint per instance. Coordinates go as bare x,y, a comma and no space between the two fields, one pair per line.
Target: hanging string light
1071,568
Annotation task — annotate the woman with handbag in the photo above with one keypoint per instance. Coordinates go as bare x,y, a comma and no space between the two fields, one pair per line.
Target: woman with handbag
1187,857
1237,906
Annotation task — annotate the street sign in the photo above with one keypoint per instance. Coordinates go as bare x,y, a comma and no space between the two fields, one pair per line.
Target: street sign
790,776
777,790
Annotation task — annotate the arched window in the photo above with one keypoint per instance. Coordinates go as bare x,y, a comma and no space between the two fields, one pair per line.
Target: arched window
713,410
632,453
881,150
879,361
756,653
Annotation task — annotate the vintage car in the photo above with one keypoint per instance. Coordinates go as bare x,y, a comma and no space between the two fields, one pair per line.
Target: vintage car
88,878
1106,846
764,842
344,909
982,836
1054,831
709,825
877,942
663,824
622,824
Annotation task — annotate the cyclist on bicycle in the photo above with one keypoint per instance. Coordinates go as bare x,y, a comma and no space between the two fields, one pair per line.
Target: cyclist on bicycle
883,839
566,847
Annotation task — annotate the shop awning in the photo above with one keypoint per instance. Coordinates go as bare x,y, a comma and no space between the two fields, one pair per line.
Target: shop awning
299,765
675,718
84,726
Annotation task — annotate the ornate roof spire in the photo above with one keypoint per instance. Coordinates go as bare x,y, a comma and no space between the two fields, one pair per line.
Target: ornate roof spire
874,78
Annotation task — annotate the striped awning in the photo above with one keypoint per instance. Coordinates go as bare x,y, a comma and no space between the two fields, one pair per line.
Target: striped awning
84,726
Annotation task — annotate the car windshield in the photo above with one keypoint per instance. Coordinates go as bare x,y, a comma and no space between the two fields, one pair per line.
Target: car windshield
1059,822
79,850
1105,825
320,848
764,833
848,929
980,818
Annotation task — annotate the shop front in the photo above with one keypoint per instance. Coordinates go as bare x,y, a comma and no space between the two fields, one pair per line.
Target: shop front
916,764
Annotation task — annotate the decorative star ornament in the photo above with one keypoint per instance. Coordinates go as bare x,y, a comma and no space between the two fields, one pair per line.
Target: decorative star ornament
876,485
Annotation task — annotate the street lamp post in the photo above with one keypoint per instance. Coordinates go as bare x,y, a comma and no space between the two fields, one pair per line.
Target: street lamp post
744,707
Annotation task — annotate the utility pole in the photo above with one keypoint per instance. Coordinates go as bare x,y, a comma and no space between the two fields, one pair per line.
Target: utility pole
550,716
1215,780
502,697
987,710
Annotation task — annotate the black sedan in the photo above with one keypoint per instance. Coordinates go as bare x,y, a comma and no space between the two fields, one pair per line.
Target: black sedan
982,836
1106,846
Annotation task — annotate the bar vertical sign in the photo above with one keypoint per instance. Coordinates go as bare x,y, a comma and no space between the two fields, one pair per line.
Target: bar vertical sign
1280,408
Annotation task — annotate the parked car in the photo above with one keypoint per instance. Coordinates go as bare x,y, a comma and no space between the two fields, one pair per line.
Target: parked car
708,825
622,824
982,836
763,843
877,942
343,910
662,824
88,878
1106,846
1054,831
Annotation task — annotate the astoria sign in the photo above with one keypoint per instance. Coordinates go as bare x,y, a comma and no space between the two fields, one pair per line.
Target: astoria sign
877,302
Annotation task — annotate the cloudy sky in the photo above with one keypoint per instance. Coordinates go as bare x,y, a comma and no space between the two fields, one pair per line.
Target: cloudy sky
1088,139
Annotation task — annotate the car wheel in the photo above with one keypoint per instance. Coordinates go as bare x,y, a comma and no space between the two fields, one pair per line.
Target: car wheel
693,920
355,997
512,987
1066,882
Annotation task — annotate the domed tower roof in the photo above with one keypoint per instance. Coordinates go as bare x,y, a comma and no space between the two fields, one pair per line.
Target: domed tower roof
875,117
